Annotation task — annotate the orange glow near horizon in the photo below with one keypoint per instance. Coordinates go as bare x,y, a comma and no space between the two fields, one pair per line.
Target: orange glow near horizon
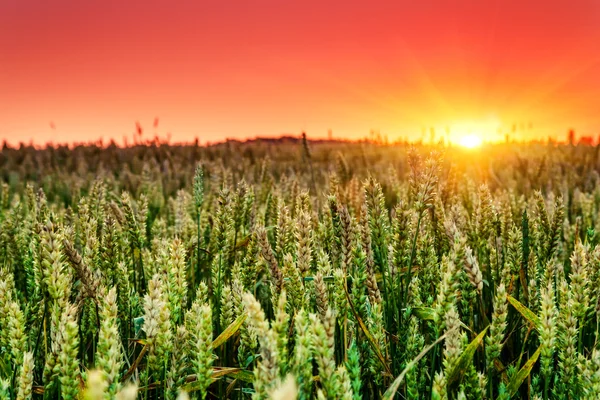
77,71
471,134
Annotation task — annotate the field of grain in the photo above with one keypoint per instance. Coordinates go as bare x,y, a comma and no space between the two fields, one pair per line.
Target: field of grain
282,270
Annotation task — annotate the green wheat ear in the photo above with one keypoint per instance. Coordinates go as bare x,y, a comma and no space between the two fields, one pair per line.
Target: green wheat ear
266,373
68,363
4,389
25,382
201,348
335,271
199,186
109,358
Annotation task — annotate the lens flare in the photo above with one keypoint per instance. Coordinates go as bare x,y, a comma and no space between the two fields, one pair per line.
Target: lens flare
470,141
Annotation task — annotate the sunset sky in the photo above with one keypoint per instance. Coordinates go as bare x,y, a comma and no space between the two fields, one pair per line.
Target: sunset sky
81,70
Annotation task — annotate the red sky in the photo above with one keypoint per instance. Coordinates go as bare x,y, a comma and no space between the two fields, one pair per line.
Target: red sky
217,69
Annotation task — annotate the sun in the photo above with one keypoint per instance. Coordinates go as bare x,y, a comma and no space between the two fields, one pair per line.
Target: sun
470,141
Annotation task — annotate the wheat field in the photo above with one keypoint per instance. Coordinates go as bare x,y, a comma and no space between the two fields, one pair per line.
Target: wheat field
295,269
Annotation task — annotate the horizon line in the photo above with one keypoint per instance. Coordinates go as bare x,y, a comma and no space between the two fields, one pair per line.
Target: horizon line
290,138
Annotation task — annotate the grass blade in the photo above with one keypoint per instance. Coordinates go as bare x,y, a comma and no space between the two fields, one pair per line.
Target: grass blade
391,392
524,311
423,313
135,363
229,332
523,373
368,334
217,373
465,359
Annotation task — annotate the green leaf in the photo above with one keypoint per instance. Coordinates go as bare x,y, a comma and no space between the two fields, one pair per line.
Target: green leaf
137,325
391,392
423,313
229,332
465,359
515,383
428,313
238,373
219,372
525,312
312,278
250,359
368,334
